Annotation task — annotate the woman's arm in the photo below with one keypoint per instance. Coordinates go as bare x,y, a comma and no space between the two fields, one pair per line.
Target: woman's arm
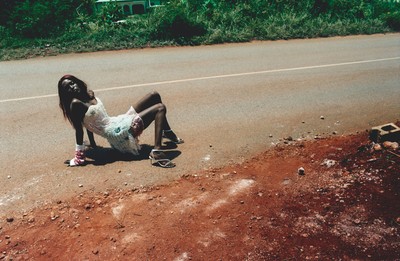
78,110
79,135
91,139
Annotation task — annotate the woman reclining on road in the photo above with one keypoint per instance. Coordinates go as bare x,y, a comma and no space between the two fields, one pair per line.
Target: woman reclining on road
82,108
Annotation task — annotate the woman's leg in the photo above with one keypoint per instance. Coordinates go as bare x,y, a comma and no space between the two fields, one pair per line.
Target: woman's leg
151,108
147,102
156,113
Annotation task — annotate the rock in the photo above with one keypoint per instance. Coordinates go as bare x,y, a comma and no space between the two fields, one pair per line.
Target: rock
387,144
390,145
322,117
377,147
53,216
395,145
10,219
328,163
301,171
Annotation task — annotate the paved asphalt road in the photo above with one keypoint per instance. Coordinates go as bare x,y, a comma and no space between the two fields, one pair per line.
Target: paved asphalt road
224,100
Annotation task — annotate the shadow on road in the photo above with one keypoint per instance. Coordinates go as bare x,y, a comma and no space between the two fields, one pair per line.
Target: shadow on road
101,156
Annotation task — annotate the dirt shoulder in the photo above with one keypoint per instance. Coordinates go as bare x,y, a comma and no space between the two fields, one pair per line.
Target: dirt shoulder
344,206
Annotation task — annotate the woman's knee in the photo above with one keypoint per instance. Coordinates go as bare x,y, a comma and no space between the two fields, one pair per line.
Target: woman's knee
157,111
155,95
161,107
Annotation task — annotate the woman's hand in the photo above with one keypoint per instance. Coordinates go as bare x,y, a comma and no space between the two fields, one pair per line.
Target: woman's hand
79,159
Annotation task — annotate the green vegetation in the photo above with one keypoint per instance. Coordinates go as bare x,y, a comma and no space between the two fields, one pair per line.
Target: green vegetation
31,28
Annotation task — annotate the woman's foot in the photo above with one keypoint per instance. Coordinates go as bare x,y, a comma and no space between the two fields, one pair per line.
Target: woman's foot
169,134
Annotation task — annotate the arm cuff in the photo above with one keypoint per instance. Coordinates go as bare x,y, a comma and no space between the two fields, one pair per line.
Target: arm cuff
79,147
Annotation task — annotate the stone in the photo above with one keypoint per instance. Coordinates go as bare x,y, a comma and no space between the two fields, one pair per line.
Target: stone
386,132
377,147
387,144
390,145
328,163
301,171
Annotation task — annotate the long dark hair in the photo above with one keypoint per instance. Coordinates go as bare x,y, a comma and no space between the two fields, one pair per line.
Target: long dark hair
66,97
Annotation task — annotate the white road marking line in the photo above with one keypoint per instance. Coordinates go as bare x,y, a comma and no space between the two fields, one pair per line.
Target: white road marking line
213,77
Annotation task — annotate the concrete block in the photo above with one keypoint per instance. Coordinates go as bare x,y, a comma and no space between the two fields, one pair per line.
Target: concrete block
386,132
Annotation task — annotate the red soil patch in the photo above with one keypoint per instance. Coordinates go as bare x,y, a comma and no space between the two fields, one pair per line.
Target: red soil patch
345,206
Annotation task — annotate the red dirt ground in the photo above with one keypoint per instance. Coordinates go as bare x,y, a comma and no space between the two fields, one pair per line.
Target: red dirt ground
344,207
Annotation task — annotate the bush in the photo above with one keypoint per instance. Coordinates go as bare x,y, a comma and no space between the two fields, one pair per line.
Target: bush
110,13
32,20
393,20
175,22
42,18
71,25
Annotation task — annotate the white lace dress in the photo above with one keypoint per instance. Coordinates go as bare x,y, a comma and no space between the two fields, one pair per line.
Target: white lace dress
114,129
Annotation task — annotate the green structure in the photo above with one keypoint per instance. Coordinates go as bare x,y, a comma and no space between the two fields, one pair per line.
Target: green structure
131,7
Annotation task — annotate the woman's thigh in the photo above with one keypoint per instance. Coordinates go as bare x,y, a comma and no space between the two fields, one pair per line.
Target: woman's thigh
147,101
148,115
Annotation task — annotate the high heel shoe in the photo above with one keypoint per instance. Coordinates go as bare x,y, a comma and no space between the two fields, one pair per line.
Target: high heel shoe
169,134
164,163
